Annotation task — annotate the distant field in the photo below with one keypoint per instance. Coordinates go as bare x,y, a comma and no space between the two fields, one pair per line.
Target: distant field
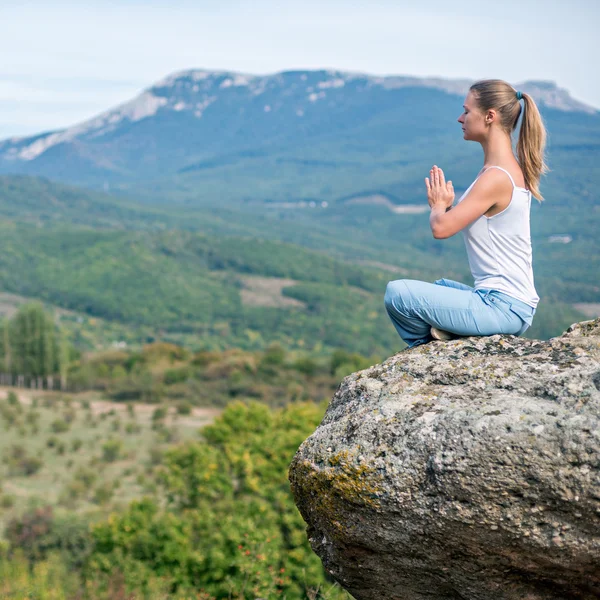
266,291
76,471
589,309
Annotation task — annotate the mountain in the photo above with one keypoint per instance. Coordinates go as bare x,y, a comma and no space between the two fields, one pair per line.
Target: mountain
214,136
308,166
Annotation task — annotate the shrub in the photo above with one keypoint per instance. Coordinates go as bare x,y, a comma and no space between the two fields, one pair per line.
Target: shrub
59,426
27,532
306,365
184,407
39,532
20,463
173,376
52,441
29,465
69,415
7,501
159,414
111,450
32,417
133,428
103,493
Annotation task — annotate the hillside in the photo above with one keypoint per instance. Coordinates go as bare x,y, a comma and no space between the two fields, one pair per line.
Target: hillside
221,279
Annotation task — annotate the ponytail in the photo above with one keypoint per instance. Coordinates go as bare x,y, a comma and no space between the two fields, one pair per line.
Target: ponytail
531,145
502,97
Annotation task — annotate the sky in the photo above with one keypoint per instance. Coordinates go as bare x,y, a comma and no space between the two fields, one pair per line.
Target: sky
62,62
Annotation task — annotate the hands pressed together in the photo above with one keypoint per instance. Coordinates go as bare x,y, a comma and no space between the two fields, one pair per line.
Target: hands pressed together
439,192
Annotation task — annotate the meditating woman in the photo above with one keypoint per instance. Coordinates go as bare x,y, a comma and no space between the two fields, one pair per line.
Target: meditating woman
493,215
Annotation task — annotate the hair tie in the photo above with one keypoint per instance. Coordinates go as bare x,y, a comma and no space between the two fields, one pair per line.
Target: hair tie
519,95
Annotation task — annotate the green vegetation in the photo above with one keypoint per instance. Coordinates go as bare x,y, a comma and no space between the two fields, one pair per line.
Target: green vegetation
32,347
190,289
214,516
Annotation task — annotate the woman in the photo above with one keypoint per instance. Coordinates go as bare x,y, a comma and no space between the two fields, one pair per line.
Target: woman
493,215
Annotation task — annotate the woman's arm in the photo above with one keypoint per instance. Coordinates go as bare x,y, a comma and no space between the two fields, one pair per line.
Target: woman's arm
490,189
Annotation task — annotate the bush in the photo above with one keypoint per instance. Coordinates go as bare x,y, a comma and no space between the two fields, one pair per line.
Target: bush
59,426
7,501
132,428
32,417
29,465
86,476
158,417
184,407
111,450
173,376
306,365
103,493
20,463
37,533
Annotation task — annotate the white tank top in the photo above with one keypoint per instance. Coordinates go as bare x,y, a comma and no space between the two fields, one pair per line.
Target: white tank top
499,247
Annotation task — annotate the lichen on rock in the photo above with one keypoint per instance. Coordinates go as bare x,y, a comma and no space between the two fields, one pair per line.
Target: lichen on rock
467,469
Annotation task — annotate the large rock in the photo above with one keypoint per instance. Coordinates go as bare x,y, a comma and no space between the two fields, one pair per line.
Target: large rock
465,470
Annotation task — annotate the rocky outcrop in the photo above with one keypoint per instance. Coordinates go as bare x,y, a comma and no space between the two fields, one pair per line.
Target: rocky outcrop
467,469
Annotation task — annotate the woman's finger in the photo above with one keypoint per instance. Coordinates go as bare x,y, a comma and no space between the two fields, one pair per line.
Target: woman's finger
427,184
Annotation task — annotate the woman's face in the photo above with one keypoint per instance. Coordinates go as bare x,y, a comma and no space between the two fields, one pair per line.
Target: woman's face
472,120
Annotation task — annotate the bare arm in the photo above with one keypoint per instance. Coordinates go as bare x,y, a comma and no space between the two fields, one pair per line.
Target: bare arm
491,188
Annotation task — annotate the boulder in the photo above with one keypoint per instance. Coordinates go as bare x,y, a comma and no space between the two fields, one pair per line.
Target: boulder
467,469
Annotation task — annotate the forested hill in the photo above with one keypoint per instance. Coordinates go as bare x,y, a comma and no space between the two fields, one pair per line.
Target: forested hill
221,279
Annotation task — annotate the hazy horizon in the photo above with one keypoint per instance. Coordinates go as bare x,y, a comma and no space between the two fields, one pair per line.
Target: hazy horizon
81,59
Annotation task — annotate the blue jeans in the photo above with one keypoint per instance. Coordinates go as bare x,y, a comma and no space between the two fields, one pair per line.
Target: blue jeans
416,306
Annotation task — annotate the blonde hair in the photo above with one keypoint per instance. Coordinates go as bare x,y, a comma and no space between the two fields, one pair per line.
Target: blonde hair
502,97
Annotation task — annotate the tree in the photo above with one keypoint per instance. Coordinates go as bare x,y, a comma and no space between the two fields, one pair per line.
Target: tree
32,344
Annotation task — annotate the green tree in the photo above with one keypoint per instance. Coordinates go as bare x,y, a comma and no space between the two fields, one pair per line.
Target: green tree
32,344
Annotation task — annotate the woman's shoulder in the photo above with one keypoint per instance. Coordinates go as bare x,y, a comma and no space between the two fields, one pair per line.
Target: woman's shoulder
514,173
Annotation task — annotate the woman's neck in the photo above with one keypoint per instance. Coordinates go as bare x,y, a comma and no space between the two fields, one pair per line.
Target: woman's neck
497,149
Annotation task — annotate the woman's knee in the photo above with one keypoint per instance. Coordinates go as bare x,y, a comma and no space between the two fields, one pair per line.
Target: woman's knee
394,292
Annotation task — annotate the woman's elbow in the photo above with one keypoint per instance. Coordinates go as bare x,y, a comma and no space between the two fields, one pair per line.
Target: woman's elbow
439,234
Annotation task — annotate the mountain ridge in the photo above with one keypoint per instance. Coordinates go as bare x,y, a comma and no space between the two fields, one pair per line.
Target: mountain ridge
194,91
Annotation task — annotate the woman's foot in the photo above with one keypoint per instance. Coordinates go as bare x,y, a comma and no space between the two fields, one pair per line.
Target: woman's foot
440,334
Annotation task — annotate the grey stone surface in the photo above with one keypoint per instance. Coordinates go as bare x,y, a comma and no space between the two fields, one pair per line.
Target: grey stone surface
467,469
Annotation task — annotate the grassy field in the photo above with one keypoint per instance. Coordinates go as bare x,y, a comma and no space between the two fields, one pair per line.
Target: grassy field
99,461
